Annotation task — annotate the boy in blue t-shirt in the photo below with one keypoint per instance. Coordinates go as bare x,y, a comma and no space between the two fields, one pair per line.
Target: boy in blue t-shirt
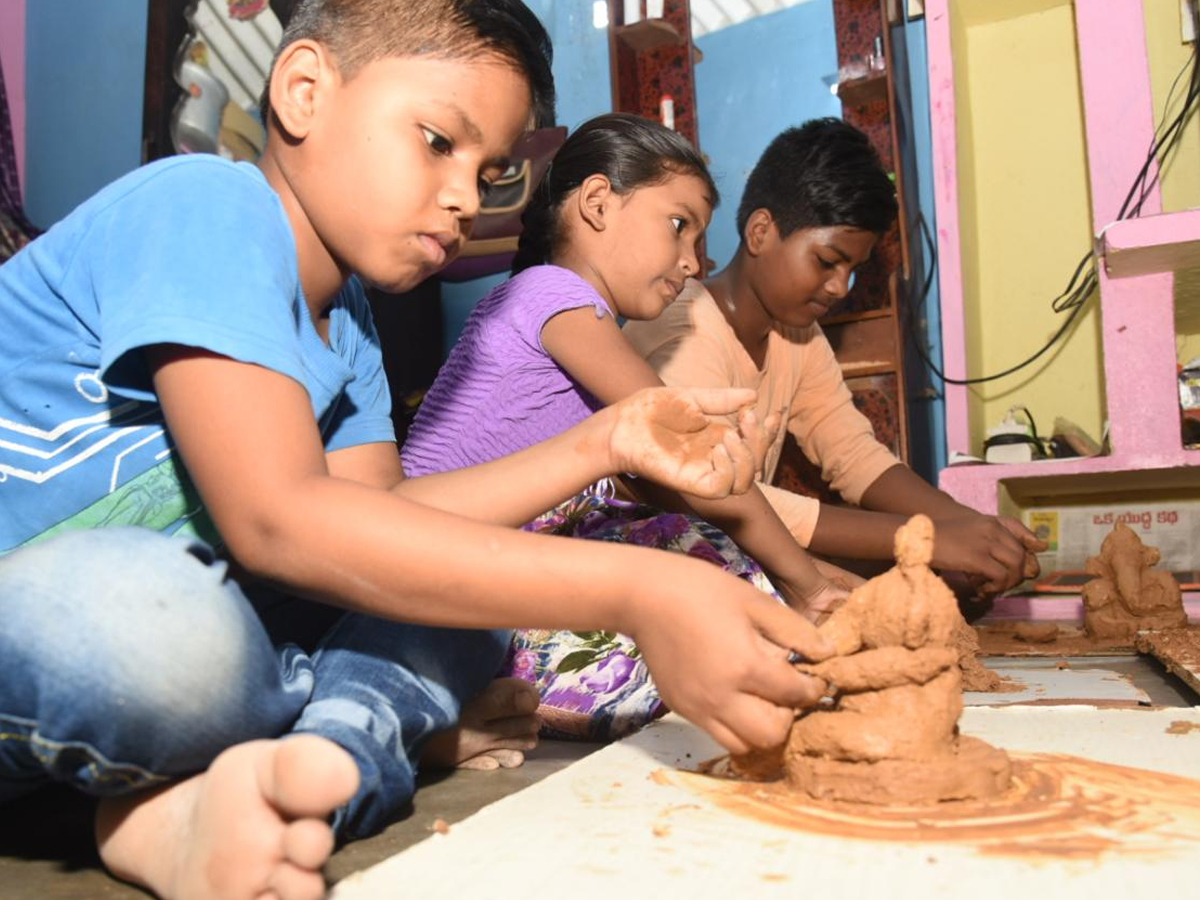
187,361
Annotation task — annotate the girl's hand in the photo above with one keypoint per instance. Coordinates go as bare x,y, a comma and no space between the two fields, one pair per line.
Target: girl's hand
666,435
759,436
718,650
816,602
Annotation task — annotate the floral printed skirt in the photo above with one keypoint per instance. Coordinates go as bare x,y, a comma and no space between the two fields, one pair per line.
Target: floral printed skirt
594,685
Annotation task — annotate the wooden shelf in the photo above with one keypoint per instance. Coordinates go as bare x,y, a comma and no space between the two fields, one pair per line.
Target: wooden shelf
1147,245
649,34
881,313
862,369
857,91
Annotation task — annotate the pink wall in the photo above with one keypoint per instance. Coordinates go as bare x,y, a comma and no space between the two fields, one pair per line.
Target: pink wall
12,56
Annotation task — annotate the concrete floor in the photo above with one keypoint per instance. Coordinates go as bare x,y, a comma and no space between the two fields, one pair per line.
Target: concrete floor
46,850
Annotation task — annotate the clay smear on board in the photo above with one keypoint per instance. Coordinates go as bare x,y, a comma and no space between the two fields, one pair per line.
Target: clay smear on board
1057,807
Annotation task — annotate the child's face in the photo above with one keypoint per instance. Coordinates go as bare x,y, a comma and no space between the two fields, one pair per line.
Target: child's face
397,159
802,276
651,244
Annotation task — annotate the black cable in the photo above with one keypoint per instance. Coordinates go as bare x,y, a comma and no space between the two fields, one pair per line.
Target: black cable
1075,295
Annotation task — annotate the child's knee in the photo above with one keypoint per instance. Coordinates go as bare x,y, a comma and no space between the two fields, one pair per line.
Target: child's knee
131,619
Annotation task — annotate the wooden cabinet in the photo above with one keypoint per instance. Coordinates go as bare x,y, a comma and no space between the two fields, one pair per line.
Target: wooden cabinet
866,330
652,59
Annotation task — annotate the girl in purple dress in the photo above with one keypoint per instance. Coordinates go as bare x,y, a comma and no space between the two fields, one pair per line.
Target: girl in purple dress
611,231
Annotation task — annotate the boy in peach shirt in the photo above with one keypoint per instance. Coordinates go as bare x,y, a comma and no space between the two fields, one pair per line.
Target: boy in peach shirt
814,207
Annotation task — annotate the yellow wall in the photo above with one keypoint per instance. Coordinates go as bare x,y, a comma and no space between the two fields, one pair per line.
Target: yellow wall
1024,202
1181,175
1024,208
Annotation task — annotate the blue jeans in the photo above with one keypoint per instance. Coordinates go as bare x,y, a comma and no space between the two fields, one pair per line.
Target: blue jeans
128,658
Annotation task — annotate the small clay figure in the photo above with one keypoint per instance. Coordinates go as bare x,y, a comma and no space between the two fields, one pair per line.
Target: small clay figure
888,732
1129,595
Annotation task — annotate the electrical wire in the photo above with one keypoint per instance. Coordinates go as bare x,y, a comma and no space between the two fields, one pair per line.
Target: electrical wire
1074,297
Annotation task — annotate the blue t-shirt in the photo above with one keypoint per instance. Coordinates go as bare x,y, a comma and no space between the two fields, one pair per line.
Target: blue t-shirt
191,250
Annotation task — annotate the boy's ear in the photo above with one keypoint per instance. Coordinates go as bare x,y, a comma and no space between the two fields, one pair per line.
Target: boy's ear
760,231
593,199
302,71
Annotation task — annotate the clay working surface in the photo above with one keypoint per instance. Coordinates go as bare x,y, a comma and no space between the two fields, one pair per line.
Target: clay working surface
1129,595
888,733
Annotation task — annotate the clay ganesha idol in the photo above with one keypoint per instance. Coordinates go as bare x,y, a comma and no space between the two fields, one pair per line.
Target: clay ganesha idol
1129,595
887,732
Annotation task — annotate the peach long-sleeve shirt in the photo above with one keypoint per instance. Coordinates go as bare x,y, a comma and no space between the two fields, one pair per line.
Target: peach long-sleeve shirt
692,345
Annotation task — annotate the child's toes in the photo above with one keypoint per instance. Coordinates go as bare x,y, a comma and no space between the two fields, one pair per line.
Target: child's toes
308,843
290,882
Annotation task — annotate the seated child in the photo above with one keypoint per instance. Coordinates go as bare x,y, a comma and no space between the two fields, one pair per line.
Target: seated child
610,231
193,403
813,209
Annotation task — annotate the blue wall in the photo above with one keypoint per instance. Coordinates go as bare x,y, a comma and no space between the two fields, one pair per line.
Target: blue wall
85,69
758,78
584,91
926,406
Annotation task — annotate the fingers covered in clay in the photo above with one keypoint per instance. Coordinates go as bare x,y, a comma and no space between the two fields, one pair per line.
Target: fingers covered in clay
667,435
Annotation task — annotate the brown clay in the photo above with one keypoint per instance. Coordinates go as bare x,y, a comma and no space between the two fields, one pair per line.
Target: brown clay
1128,595
975,675
1036,632
889,732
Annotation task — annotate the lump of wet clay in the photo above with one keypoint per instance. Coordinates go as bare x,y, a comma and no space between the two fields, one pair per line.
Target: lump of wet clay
1036,632
887,733
1129,595
975,675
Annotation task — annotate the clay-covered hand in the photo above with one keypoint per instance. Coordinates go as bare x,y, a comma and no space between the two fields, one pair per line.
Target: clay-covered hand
1031,542
981,546
718,650
674,436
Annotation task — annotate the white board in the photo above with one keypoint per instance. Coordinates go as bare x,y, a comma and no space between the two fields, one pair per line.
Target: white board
607,827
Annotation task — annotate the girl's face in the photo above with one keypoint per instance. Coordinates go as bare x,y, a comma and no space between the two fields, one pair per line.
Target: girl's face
649,249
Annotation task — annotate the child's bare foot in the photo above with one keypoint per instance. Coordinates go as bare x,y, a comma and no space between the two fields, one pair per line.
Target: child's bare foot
493,731
253,825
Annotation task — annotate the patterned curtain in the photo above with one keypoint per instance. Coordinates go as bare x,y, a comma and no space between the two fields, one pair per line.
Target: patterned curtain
15,230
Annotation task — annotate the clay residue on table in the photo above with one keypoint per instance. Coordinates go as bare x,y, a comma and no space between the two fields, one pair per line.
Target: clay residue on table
975,675
1057,807
1181,727
1129,594
1176,648
888,731
1000,639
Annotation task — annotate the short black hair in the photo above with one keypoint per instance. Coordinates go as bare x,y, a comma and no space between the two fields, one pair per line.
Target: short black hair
820,174
629,150
358,32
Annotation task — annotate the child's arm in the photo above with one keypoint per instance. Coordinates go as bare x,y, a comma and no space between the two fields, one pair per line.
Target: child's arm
250,444
834,434
630,437
964,534
990,549
595,353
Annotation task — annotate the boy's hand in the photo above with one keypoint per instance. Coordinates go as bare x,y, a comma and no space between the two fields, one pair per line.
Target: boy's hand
718,650
666,435
815,602
990,550
1032,543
